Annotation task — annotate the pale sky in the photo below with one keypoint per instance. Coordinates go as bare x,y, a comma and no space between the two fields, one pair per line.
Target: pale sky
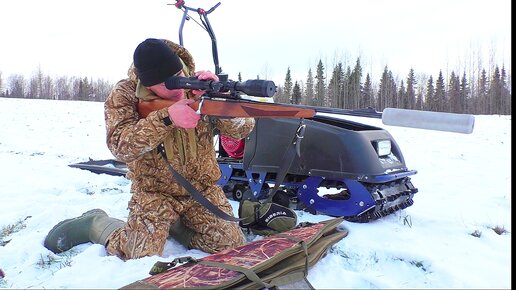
97,38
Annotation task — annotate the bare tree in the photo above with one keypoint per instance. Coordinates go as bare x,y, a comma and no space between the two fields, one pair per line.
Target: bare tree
32,90
16,84
39,84
2,92
63,89
48,88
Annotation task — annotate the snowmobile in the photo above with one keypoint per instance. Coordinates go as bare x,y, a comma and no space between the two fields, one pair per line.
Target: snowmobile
361,167
339,167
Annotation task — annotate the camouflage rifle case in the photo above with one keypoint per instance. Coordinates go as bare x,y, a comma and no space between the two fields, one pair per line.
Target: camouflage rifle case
281,260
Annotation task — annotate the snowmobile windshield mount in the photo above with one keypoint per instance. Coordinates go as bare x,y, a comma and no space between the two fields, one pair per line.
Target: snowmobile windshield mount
203,15
258,88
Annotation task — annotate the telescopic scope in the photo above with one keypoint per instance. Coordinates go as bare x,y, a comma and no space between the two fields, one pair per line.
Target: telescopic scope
258,88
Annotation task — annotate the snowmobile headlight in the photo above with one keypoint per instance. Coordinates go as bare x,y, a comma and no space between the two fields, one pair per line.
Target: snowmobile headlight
382,147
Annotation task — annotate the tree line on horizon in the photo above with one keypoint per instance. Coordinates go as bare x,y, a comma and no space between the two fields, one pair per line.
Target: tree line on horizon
42,86
481,93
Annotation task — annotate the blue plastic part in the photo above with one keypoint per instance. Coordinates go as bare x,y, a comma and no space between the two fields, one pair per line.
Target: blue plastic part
254,184
226,170
360,199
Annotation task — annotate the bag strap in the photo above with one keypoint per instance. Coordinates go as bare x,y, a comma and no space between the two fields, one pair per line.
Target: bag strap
196,195
288,158
249,273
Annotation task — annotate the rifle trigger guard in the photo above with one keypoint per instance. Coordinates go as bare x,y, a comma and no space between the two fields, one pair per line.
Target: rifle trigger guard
199,108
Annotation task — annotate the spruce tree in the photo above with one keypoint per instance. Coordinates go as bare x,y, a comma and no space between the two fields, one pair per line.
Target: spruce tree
334,86
367,99
310,96
430,103
319,85
402,96
287,88
387,94
345,96
410,98
495,93
441,104
454,94
506,94
464,95
296,94
383,90
481,104
393,92
419,99
355,86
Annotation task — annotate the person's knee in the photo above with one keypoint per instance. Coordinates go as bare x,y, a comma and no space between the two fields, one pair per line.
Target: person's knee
137,242
219,237
233,236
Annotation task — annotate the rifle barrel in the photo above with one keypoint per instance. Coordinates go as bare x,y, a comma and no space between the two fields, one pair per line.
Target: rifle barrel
366,112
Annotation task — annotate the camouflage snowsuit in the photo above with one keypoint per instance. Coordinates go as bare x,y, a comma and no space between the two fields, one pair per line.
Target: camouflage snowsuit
157,200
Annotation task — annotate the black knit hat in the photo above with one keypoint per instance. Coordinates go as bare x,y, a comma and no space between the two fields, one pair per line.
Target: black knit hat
155,61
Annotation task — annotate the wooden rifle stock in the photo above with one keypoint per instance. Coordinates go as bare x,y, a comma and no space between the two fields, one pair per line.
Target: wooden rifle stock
230,108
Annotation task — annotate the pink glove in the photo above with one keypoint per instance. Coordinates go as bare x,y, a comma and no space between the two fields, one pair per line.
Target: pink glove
182,115
204,75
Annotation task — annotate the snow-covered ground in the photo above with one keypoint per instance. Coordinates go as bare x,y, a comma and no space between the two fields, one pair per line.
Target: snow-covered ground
464,184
